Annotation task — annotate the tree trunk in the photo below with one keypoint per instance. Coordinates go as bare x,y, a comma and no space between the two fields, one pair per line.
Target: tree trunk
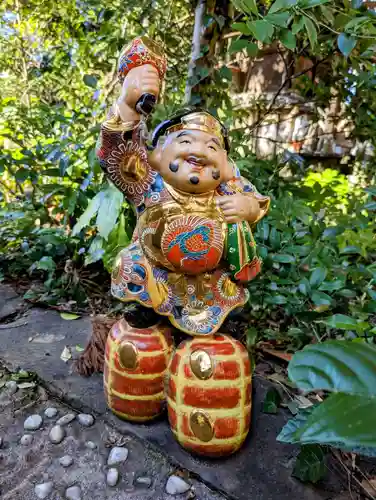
196,47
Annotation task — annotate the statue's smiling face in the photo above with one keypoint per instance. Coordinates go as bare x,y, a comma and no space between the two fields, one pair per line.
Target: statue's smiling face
191,160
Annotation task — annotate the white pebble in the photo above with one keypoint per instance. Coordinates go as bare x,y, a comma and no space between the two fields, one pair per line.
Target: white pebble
66,419
112,477
145,482
66,461
1,442
85,419
11,386
117,455
73,493
26,440
33,423
57,434
176,486
43,490
50,412
91,445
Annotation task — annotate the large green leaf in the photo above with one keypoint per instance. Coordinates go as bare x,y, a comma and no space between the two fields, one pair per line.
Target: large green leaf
292,430
109,210
335,365
342,420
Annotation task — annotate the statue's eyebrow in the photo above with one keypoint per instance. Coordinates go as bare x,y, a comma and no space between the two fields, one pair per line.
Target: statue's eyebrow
182,134
215,140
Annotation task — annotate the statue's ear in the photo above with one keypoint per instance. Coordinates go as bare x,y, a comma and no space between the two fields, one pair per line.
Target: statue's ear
228,170
155,156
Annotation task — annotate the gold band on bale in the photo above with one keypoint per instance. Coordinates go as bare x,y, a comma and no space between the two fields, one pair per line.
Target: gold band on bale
199,121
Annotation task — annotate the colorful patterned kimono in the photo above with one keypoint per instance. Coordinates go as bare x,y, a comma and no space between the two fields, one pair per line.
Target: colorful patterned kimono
184,261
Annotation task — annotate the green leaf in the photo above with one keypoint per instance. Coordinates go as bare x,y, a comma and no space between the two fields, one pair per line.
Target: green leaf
252,49
89,213
310,464
342,420
351,249
335,365
305,287
289,431
46,264
226,73
330,232
340,321
238,45
370,206
298,25
95,251
281,4
327,13
311,31
262,30
288,39
346,44
317,277
90,81
109,210
69,316
349,294
272,401
276,299
242,27
251,337
331,286
356,21
313,3
283,258
279,19
251,5
321,299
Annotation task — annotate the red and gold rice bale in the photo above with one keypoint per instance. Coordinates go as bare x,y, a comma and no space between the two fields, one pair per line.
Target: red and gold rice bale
137,393
223,399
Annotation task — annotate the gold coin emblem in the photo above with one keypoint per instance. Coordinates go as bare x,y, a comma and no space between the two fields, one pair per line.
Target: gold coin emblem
201,426
201,364
128,355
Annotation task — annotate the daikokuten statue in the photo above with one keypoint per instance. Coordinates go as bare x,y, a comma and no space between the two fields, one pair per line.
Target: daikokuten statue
190,259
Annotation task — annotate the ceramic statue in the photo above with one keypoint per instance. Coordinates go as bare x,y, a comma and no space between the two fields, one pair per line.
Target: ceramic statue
191,256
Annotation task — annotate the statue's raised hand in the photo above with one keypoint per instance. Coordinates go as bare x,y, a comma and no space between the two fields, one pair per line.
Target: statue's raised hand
141,80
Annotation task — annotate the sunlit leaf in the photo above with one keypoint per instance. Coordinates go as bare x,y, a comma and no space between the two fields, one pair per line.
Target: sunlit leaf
69,316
